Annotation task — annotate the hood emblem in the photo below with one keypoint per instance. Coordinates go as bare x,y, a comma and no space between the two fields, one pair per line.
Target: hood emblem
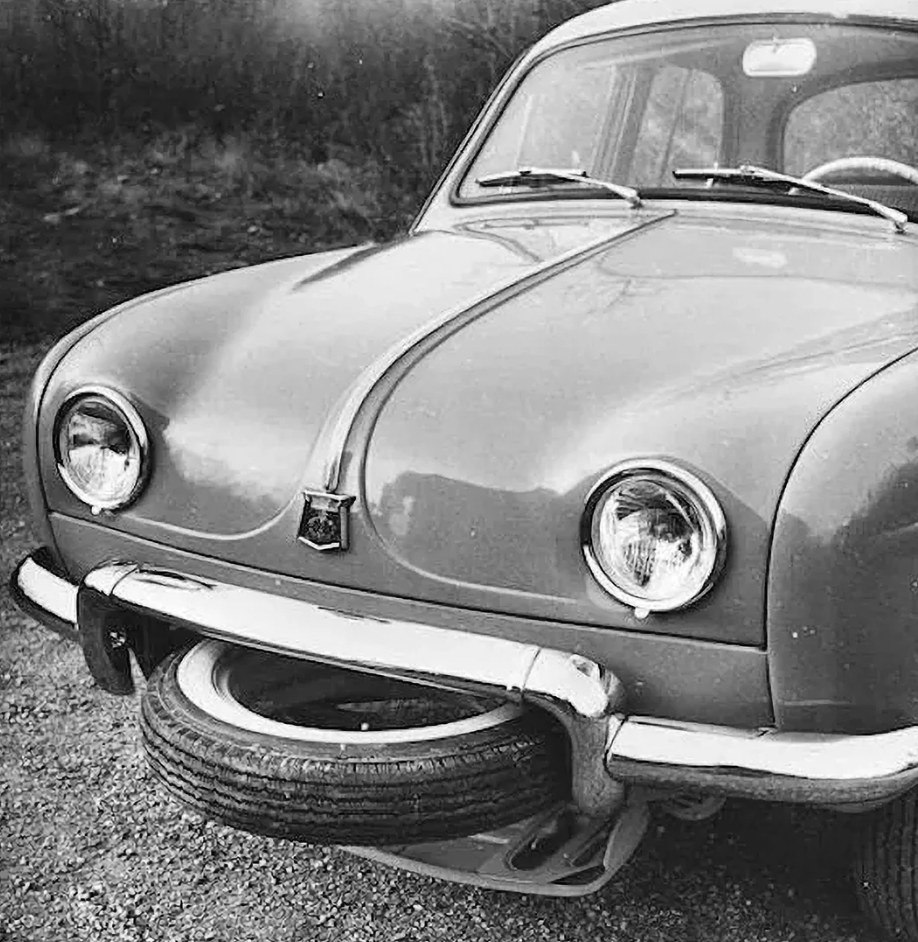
324,525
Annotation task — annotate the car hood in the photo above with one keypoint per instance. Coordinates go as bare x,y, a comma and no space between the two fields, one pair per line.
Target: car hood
237,374
715,342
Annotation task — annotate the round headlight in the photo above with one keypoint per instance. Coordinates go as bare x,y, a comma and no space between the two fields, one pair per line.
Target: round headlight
102,448
654,536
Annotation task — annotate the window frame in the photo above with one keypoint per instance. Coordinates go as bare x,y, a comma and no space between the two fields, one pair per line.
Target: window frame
466,155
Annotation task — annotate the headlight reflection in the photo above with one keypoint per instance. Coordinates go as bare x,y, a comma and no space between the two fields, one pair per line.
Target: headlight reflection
102,449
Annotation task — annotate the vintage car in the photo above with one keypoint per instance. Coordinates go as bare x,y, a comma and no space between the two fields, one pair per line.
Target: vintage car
596,491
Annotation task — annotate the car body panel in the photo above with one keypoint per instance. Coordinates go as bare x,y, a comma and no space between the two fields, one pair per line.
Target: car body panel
709,682
226,285
843,583
451,506
216,364
789,326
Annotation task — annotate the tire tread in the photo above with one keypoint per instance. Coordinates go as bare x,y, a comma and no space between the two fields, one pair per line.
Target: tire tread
885,876
285,788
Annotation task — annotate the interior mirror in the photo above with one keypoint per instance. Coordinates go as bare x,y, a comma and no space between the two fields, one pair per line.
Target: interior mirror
779,58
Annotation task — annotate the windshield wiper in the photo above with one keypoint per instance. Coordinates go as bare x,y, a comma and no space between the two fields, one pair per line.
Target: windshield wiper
545,176
748,175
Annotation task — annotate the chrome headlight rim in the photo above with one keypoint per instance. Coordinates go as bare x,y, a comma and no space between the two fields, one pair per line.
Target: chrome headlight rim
666,474
136,428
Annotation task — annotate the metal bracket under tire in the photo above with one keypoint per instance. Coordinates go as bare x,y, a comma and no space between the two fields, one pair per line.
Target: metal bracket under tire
557,853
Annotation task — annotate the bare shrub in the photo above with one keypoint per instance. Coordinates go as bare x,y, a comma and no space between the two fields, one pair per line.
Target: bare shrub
143,142
399,80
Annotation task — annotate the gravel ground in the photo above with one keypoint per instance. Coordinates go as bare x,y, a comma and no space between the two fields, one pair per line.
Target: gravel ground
91,848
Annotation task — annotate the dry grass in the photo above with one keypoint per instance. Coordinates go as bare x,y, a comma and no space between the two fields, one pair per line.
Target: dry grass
91,225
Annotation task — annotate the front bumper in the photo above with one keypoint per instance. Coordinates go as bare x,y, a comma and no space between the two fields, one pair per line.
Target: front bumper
610,749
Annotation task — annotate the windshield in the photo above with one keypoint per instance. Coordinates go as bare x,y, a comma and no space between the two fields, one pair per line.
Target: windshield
790,96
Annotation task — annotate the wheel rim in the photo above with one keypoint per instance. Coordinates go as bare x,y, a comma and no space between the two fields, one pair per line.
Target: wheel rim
302,700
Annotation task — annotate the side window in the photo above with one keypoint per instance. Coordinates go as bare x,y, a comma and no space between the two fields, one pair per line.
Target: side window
682,125
870,119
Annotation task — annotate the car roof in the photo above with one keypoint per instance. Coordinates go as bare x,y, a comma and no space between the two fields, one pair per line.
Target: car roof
627,13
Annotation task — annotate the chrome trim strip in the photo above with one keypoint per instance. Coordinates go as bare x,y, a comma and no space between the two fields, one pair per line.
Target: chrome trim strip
105,578
856,767
426,654
47,591
333,437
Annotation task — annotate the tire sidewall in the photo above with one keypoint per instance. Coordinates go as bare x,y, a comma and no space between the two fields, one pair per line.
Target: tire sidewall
166,685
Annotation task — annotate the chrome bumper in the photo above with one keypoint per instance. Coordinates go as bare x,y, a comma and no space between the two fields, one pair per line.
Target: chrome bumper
609,748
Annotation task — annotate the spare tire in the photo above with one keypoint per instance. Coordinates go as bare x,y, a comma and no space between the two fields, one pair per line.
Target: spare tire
299,750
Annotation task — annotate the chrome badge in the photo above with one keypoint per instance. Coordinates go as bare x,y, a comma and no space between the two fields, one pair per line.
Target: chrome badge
325,520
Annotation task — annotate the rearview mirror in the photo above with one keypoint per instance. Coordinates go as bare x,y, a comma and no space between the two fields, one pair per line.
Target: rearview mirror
779,58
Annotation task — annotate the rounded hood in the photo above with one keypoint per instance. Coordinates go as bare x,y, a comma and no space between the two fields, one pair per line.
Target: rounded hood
716,340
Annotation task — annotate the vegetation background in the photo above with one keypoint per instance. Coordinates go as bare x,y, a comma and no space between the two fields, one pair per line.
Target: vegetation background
143,142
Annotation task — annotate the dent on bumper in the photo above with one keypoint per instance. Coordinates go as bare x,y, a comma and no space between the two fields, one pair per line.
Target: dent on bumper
608,744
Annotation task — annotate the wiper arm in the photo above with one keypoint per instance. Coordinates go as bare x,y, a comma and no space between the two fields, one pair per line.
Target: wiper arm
542,176
748,175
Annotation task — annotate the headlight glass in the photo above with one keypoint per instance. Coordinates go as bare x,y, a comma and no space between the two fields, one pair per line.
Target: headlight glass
655,536
102,449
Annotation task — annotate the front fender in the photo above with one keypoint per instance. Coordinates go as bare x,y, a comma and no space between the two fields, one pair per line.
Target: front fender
230,282
842,598
51,360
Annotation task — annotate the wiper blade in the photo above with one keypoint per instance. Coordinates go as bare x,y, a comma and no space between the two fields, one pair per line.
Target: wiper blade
749,175
542,176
